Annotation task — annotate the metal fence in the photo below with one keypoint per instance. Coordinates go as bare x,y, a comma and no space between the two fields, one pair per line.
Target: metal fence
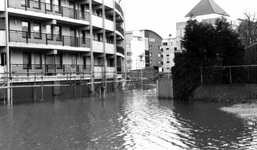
245,74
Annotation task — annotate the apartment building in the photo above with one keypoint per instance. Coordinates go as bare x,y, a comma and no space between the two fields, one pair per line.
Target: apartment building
168,50
143,49
53,42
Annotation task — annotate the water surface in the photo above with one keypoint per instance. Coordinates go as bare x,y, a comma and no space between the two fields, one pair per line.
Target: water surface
133,120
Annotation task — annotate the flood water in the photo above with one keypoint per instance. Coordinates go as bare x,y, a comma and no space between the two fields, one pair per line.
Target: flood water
133,120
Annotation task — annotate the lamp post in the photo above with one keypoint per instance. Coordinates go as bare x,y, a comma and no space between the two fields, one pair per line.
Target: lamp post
141,59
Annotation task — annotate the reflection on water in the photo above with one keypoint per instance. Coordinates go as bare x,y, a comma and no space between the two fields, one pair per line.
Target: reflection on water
129,120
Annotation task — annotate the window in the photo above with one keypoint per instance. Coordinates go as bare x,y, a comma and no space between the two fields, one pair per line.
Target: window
165,44
48,5
83,36
57,5
168,62
82,8
167,55
175,49
37,30
150,46
128,45
85,62
129,53
25,3
152,40
150,54
159,55
37,4
38,60
161,50
167,48
150,62
59,61
58,33
111,62
159,47
25,29
26,60
49,32
3,59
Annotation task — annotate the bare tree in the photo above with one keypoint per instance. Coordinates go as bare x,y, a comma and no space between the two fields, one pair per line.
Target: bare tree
247,29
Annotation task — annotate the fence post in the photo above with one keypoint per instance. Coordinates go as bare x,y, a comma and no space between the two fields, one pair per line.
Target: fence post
201,75
230,75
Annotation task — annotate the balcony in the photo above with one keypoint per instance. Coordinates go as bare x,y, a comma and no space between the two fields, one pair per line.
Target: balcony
98,46
119,28
109,48
47,8
100,72
48,39
120,50
117,6
109,25
2,38
32,70
97,21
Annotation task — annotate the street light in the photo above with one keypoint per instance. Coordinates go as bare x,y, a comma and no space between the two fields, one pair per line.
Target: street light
141,59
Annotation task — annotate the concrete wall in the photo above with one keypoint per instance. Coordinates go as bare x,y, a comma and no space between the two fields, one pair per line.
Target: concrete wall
226,93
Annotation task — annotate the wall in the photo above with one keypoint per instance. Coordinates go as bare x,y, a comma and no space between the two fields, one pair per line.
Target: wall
226,93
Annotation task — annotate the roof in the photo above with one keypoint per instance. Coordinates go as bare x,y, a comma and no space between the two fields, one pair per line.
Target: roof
206,7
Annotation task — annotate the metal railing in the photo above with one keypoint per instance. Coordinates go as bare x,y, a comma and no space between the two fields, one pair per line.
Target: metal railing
119,28
117,6
120,50
53,9
48,69
48,39
246,74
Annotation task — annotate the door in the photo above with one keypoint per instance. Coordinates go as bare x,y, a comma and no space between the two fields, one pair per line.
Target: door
73,63
73,37
72,9
50,65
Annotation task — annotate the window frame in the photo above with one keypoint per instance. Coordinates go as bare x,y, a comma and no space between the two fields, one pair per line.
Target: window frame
40,31
28,65
28,33
27,3
59,61
38,66
51,32
39,4
58,37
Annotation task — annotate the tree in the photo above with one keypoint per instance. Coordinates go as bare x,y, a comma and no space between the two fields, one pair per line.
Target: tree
247,29
205,45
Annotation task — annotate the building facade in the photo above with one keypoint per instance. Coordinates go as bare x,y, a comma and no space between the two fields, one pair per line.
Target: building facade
47,42
168,50
143,49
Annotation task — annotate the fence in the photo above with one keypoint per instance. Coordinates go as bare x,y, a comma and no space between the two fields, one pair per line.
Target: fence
245,74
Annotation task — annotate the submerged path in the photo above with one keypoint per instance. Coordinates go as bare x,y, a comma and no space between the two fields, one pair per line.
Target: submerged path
134,120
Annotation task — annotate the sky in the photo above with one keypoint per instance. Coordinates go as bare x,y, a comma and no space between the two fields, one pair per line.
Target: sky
161,15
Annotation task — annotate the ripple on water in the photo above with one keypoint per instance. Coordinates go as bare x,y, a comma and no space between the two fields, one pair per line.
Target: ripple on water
133,120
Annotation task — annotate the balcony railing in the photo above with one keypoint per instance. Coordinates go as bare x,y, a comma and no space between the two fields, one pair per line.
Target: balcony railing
117,6
119,28
53,9
49,69
120,50
48,39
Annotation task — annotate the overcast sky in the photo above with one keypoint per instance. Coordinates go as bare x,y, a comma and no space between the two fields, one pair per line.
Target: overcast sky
161,15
